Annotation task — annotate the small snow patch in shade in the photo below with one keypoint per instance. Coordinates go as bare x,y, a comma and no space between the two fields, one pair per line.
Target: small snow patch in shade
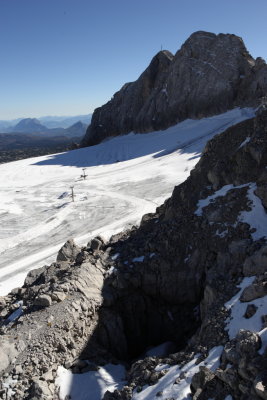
247,140
256,217
263,336
111,270
229,397
237,321
115,256
138,259
219,193
181,390
89,385
14,316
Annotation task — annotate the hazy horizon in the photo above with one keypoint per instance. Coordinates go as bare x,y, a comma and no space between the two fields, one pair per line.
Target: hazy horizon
45,116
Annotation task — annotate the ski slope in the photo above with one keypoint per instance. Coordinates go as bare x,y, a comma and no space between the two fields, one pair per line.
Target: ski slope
127,176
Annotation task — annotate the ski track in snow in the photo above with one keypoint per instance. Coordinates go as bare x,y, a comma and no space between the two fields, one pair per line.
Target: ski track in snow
127,177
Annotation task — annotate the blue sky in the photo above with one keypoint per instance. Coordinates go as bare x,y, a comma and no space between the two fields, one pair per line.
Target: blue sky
67,57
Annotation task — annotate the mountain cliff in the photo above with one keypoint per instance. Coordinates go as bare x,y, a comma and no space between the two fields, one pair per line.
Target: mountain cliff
208,75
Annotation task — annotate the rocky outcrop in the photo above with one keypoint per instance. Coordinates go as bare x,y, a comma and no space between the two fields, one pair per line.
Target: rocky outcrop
208,75
168,280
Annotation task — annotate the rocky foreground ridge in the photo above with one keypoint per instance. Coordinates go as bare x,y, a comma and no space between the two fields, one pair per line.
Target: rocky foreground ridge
168,280
210,74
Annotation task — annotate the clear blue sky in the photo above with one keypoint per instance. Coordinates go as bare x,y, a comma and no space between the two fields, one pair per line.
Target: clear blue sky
67,57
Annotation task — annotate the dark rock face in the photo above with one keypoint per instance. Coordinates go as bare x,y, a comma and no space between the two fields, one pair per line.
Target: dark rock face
124,112
208,75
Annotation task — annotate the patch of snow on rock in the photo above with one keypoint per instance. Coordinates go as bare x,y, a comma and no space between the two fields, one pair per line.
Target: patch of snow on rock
181,390
219,193
138,259
92,384
256,217
247,140
237,320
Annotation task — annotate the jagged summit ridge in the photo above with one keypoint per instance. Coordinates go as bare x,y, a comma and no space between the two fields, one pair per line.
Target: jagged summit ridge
208,75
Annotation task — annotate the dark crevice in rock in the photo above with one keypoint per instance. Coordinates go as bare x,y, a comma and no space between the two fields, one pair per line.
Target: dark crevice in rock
137,322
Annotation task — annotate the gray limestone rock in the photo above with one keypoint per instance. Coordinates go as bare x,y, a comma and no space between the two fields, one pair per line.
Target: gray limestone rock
260,385
254,291
40,390
95,244
250,311
257,263
43,300
68,252
201,378
9,350
247,343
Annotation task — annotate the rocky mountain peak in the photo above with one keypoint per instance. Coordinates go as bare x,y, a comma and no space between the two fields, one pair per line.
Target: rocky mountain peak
29,125
205,45
208,75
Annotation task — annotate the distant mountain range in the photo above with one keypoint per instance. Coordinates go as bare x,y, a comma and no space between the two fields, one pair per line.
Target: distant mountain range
34,126
64,122
28,125
29,137
42,124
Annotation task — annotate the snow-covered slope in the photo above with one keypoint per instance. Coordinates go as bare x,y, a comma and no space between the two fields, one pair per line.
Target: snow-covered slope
127,177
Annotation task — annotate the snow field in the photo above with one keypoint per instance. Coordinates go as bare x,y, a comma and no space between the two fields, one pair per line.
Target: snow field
127,176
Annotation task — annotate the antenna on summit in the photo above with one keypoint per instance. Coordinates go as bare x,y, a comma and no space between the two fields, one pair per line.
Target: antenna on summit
161,48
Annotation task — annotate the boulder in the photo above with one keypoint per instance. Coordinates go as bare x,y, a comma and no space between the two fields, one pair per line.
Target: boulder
58,296
43,300
34,276
247,343
40,390
254,291
96,243
260,385
250,311
68,251
257,263
9,350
